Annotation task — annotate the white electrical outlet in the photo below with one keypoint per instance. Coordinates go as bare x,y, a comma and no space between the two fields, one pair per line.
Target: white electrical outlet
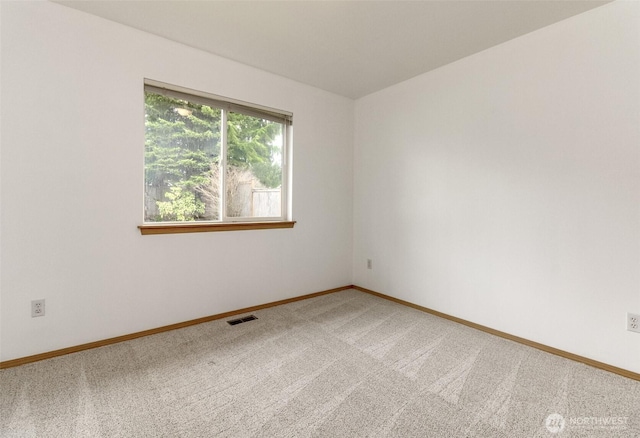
369,264
633,322
37,308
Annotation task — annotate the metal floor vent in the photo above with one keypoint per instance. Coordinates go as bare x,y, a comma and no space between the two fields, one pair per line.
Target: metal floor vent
241,320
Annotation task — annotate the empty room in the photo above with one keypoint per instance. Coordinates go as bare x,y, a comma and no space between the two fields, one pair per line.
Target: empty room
320,218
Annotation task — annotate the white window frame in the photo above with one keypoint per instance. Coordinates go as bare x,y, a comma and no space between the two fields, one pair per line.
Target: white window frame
226,105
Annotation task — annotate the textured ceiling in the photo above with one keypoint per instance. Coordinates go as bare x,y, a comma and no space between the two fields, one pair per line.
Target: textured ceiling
351,48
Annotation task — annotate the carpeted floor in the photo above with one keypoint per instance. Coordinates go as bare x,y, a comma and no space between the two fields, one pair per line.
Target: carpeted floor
342,365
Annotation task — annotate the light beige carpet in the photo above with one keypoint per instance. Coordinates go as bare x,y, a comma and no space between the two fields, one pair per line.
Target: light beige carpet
342,365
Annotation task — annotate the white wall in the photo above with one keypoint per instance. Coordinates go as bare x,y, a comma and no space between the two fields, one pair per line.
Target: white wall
72,158
502,188
505,188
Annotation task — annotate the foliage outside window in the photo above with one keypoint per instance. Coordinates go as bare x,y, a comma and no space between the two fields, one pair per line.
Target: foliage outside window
212,160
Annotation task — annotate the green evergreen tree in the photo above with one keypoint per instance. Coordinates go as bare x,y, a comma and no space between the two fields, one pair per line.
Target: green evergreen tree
182,156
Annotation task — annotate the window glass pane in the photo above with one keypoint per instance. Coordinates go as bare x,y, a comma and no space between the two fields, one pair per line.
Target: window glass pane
254,166
182,160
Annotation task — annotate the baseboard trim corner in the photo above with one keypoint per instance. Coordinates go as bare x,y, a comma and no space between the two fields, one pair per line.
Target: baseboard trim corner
90,345
565,354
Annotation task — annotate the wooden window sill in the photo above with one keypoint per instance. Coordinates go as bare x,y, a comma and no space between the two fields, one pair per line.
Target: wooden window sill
192,227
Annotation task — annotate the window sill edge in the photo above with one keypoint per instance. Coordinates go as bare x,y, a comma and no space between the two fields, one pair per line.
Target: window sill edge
211,227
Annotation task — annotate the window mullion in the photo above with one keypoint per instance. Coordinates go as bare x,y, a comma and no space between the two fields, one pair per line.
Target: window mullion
223,169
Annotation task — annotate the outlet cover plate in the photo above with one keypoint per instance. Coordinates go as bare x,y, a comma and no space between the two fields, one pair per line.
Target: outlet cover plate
633,322
37,308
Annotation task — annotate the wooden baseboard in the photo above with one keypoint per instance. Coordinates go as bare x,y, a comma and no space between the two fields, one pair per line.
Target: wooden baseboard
542,347
546,348
166,328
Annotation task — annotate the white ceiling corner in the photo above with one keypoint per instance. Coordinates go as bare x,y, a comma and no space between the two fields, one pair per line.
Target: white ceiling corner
351,48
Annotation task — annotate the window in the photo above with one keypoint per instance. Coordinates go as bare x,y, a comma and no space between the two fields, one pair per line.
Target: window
213,160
